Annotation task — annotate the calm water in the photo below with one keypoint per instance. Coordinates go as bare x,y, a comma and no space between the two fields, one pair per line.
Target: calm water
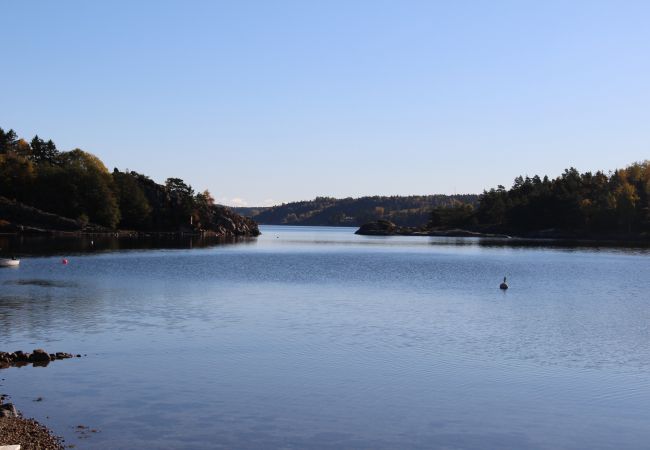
319,339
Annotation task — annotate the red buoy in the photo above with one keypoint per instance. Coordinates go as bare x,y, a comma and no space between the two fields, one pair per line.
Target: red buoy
64,261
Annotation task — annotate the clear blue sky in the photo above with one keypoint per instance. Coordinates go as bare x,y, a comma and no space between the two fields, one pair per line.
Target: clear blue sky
271,101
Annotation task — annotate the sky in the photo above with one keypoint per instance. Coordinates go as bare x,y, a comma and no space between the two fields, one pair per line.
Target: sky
264,102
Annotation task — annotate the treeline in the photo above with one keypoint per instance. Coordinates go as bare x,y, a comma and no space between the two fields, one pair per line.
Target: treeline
77,185
579,203
402,210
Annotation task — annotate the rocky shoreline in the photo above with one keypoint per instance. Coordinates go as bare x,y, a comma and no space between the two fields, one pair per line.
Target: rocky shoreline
24,220
387,228
16,429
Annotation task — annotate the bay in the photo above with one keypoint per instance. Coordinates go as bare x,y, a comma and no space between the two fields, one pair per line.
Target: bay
315,338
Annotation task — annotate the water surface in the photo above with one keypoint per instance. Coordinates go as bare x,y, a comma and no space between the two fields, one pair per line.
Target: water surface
315,338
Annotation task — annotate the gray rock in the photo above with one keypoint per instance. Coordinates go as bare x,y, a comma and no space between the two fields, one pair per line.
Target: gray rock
8,410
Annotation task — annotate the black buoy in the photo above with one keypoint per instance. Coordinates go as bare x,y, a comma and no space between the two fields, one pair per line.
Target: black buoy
503,285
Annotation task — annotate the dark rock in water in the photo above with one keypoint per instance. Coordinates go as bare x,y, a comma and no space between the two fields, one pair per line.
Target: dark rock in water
8,410
39,355
378,228
21,357
39,358
6,358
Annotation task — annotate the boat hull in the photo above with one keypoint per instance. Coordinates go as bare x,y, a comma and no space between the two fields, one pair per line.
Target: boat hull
9,262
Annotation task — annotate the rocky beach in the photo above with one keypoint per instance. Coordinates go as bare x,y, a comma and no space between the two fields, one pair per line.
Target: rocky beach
16,429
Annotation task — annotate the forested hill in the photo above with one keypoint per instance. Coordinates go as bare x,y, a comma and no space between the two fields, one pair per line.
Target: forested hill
42,188
406,211
583,204
610,206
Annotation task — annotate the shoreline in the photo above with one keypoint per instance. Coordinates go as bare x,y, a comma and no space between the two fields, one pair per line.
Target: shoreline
384,228
28,433
15,429
42,232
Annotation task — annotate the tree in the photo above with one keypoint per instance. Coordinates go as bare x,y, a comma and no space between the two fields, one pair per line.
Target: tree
8,141
43,152
626,199
203,210
135,209
177,187
181,206
22,148
91,187
17,175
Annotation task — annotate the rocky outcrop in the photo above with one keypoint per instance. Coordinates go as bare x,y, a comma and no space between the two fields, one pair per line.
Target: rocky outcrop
226,222
18,217
38,357
379,228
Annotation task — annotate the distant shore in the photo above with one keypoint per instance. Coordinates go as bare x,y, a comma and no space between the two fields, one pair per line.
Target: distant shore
386,228
36,232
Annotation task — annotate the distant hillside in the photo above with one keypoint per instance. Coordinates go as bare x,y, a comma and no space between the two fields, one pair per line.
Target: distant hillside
405,211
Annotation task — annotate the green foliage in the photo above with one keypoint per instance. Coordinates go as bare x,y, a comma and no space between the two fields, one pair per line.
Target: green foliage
584,203
16,176
43,152
182,205
456,215
135,209
204,209
8,140
76,184
93,186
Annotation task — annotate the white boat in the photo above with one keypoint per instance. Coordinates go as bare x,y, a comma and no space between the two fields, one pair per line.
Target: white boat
9,262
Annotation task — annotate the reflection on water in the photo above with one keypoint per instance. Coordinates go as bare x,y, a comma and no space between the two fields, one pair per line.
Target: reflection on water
44,245
42,283
317,338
